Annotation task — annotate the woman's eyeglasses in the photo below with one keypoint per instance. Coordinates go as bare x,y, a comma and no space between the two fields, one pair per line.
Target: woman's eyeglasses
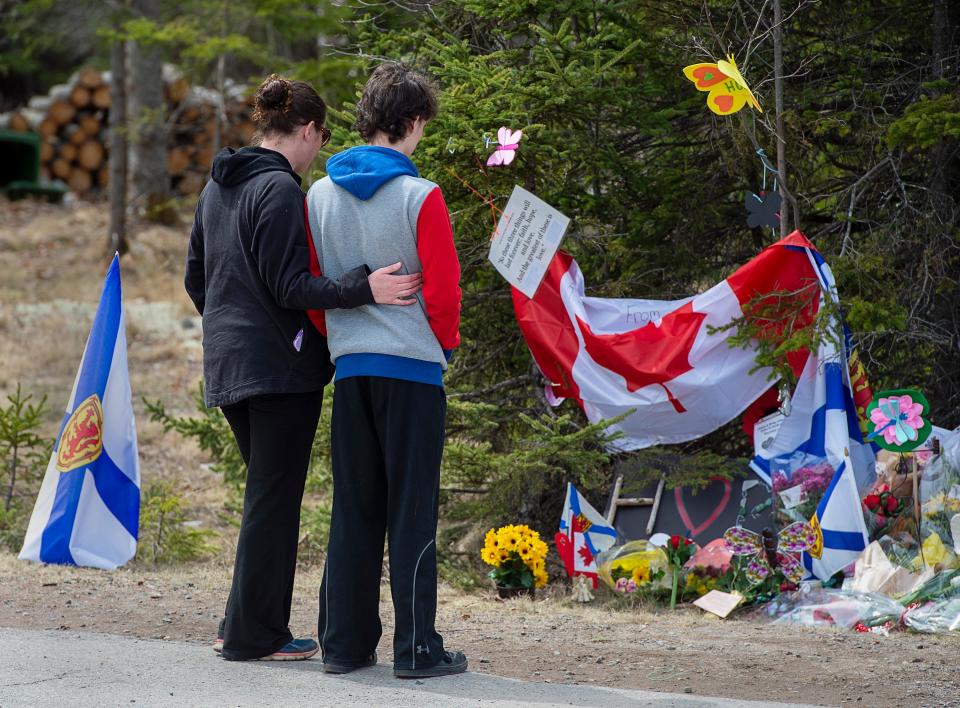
324,135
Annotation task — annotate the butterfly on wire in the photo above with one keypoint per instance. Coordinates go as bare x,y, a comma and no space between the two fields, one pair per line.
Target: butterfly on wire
774,552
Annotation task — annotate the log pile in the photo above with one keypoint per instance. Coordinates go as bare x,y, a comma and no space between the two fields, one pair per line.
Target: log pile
73,123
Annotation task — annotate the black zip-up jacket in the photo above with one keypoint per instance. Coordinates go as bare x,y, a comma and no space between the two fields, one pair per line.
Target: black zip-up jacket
248,276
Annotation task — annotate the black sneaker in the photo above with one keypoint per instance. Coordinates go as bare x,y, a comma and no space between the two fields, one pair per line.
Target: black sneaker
452,662
332,666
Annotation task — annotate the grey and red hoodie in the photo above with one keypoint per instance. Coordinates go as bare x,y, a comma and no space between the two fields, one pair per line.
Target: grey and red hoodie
374,208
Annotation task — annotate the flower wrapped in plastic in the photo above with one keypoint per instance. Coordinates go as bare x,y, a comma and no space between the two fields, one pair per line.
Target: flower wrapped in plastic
850,609
881,507
934,607
633,566
799,482
941,586
935,617
940,492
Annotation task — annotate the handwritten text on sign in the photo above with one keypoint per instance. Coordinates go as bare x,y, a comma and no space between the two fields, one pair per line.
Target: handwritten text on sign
526,238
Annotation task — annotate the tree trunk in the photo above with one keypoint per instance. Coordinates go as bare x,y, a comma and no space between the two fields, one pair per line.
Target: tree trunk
778,102
942,55
148,154
118,147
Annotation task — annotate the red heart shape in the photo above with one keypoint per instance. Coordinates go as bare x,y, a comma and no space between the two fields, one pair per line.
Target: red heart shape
724,103
685,516
707,76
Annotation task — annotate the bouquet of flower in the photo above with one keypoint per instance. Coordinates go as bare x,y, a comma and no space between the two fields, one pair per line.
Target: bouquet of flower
940,494
517,555
799,482
881,507
678,550
632,567
642,572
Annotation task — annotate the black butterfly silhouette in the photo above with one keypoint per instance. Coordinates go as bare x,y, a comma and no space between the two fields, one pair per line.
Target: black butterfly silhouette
763,210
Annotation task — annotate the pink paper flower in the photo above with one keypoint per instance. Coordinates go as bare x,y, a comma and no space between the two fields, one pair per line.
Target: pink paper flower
910,416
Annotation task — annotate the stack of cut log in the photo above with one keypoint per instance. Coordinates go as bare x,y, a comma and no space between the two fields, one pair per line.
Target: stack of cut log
73,123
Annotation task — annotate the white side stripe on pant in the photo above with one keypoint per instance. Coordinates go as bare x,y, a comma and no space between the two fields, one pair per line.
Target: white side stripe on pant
413,607
326,613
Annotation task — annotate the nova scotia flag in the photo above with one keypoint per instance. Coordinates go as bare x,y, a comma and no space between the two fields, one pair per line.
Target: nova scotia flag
88,508
823,423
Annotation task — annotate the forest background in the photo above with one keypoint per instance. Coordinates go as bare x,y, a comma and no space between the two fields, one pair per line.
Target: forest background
620,142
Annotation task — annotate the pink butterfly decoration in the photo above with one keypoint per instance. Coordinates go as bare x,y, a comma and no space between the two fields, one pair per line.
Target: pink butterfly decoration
506,150
795,538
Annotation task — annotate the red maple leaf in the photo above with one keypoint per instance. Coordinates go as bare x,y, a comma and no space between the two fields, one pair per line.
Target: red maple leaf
584,553
650,354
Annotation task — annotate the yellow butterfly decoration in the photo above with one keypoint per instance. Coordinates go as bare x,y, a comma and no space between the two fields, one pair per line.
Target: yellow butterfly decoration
728,89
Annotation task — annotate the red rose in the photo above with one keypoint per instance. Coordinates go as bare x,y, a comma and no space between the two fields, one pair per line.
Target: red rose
881,520
675,542
883,489
872,501
892,504
788,587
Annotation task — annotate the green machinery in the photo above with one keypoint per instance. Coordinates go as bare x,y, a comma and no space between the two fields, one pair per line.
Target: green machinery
20,168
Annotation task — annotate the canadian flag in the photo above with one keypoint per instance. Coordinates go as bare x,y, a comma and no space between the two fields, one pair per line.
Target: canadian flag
658,358
583,534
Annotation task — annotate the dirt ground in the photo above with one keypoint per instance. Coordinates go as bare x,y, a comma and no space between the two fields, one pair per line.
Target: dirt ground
52,262
548,639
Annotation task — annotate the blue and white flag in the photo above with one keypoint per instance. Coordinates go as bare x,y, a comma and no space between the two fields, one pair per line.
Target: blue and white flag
823,423
88,509
586,528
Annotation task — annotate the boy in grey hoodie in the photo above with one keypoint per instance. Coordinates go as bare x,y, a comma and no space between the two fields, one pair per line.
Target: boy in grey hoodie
389,404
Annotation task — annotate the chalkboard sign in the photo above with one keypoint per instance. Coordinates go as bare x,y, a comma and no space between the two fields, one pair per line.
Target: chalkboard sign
703,515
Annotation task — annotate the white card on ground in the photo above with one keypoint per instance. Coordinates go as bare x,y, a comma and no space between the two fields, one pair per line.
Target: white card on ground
719,603
527,236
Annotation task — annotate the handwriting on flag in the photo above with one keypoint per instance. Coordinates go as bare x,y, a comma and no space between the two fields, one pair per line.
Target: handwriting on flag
652,354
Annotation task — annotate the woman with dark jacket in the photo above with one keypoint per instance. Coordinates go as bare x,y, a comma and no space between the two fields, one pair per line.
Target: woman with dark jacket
264,363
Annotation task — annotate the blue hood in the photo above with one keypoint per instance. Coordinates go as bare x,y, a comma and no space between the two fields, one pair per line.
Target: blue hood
364,169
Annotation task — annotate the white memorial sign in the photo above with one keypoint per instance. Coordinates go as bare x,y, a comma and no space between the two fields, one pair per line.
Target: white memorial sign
527,236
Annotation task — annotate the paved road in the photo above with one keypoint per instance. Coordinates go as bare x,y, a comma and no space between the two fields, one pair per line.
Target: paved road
62,668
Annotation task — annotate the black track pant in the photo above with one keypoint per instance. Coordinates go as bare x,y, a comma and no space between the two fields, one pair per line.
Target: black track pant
387,444
275,434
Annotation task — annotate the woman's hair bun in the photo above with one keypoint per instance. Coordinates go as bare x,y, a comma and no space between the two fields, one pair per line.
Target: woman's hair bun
275,93
281,106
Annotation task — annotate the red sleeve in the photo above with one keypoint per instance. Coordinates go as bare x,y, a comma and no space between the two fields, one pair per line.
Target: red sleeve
316,316
441,270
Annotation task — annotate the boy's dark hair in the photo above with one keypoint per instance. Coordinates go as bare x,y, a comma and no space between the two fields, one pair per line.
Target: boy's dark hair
281,106
394,96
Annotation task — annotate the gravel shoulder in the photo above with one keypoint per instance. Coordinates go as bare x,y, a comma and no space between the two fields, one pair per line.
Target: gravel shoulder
549,640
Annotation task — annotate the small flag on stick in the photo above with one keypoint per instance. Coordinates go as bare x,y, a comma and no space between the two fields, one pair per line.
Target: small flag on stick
87,511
